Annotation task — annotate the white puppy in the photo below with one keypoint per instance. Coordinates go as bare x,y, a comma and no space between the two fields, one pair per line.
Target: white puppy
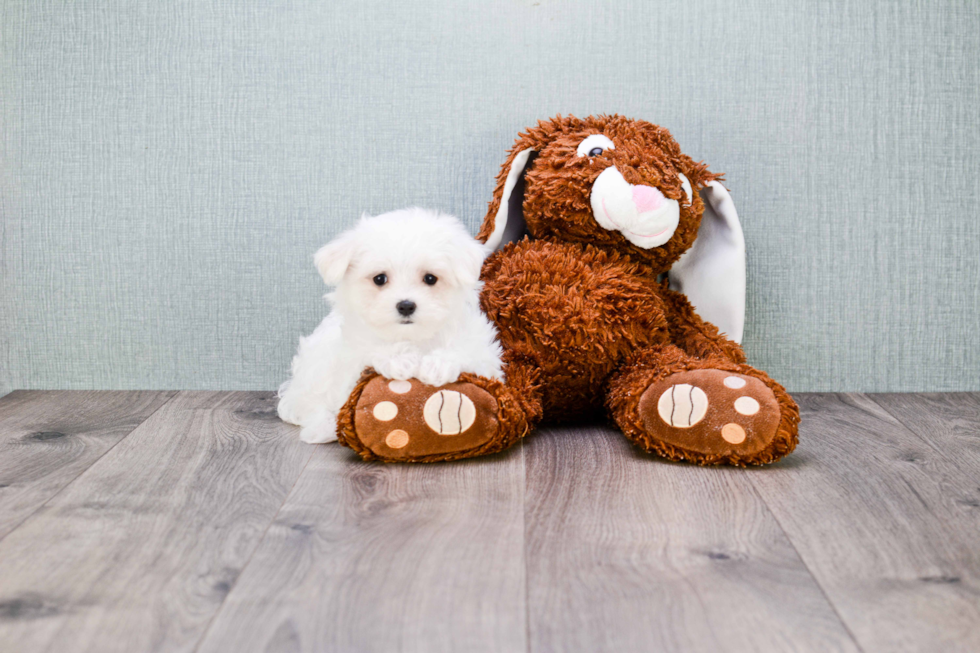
406,304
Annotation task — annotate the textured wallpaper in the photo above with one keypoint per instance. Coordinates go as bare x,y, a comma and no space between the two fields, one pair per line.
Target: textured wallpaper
169,168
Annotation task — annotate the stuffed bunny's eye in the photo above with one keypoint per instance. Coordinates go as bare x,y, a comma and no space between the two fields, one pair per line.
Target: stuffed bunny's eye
594,145
380,279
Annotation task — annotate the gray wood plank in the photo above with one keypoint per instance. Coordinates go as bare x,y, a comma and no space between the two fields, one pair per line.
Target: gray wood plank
139,551
879,517
627,552
949,422
373,557
48,438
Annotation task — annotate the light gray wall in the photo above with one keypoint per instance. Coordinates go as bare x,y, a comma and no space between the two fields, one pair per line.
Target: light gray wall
168,168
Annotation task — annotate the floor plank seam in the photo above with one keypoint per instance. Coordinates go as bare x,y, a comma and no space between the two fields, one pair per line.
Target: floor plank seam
251,556
799,555
923,438
173,395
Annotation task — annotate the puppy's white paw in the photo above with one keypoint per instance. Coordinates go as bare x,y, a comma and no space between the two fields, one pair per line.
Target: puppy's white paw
437,371
401,367
287,412
322,429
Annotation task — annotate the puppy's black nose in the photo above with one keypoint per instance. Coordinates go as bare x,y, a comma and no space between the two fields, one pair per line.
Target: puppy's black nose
405,307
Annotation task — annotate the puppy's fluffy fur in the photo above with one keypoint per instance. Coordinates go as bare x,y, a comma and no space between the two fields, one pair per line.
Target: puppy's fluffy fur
381,263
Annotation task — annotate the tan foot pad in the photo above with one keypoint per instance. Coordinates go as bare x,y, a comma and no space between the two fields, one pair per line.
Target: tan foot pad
711,412
400,420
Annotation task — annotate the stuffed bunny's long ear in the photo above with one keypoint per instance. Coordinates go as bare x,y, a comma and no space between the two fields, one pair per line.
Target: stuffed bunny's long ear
712,272
508,224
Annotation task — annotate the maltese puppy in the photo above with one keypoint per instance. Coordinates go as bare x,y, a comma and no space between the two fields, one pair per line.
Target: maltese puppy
406,303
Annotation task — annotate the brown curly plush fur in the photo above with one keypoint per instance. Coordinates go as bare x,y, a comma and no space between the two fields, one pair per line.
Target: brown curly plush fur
584,304
574,310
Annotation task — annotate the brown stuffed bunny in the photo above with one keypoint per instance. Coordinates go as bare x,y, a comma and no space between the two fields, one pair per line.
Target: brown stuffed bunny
605,235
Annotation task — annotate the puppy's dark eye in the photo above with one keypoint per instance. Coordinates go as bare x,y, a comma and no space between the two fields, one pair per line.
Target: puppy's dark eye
430,279
595,151
381,279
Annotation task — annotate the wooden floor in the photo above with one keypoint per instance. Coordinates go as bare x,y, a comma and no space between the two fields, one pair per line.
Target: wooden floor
137,521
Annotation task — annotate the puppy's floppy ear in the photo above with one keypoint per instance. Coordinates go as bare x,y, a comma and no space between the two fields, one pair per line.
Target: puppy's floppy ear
505,220
466,261
712,272
333,259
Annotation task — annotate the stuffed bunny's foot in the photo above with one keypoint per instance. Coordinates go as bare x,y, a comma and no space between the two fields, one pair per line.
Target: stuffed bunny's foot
710,412
704,411
409,421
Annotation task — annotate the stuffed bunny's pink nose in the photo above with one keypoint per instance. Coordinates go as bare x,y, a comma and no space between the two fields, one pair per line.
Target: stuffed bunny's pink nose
647,198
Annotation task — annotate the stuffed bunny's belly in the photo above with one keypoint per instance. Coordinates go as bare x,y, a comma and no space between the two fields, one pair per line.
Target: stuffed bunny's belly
578,312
